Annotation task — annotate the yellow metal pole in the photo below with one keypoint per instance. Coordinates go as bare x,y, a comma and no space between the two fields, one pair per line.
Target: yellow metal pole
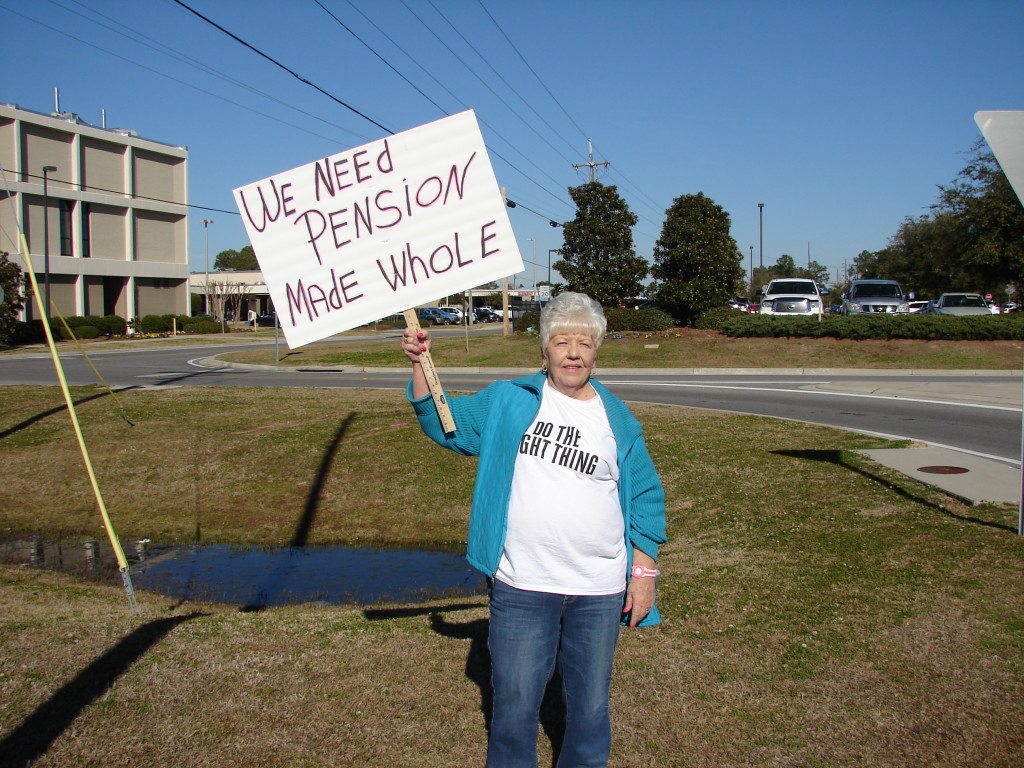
122,561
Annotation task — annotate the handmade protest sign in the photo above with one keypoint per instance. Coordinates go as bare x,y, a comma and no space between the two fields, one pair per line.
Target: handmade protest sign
378,229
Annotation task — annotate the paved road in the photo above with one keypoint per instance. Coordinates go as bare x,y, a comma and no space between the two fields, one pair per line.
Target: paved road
978,413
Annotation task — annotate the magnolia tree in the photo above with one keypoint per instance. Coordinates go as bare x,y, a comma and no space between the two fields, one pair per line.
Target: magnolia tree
12,301
598,257
696,261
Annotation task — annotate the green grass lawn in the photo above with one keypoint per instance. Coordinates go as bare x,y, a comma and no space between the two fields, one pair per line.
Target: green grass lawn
820,610
681,349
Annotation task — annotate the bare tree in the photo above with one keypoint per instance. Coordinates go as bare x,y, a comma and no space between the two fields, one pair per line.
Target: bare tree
225,298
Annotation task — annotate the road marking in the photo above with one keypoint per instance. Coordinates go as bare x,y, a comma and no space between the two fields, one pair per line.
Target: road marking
815,392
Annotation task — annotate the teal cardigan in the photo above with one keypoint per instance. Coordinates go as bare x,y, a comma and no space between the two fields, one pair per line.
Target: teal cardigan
490,424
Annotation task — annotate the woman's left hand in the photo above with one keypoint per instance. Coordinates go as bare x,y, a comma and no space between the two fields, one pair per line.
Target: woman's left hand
639,598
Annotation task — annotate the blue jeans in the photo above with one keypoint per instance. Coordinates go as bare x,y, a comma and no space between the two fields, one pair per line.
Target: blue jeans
529,633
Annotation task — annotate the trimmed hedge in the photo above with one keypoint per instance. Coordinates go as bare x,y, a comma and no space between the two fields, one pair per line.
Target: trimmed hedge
164,323
201,325
914,326
714,319
116,325
23,333
154,324
108,325
619,319
646,319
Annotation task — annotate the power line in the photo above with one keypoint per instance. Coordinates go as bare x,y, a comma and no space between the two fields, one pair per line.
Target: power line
348,29
276,63
527,63
493,92
447,90
511,87
164,74
141,38
294,74
90,188
559,103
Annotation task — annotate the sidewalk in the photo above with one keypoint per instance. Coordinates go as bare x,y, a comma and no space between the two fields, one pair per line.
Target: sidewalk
970,478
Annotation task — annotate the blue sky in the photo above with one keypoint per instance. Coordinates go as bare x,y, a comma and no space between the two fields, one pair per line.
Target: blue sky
841,117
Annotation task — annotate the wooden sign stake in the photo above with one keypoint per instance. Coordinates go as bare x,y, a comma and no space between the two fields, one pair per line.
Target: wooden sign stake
440,401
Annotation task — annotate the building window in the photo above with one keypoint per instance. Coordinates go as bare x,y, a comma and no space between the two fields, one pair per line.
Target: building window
66,209
86,246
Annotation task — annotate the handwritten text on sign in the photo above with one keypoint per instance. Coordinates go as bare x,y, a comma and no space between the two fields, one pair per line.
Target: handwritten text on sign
370,232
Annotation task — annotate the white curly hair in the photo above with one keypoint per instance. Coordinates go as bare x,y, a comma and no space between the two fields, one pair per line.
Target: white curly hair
572,313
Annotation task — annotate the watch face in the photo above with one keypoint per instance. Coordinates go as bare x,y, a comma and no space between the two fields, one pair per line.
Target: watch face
638,571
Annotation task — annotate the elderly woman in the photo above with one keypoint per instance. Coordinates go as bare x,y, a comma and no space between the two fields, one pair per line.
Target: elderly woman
567,516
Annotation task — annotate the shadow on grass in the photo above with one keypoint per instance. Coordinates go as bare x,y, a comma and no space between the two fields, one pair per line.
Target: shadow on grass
40,416
40,729
836,457
305,524
300,537
478,665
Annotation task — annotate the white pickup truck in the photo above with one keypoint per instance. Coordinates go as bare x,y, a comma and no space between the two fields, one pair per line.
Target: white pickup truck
792,296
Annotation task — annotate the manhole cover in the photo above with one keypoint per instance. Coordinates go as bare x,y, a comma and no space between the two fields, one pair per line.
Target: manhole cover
943,470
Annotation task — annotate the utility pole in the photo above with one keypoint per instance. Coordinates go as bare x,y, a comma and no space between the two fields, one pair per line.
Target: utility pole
760,215
590,163
206,237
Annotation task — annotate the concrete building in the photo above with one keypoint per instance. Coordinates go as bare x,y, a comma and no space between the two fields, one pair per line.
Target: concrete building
240,291
115,221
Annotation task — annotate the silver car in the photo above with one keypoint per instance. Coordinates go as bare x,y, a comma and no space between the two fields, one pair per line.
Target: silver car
960,304
875,296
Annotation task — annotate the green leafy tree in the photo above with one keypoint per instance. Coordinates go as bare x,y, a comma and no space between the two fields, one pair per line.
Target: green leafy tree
762,276
232,260
695,259
13,301
597,255
817,272
990,216
784,266
972,240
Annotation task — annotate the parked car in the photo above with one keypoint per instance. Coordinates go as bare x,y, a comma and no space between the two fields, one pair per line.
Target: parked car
918,307
875,296
435,316
485,315
960,304
742,303
454,311
268,320
792,296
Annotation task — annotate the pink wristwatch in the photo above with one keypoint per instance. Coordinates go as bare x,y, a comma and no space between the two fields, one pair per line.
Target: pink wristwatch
639,572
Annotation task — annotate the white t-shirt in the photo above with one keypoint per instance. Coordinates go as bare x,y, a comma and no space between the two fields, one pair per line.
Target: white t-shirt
565,529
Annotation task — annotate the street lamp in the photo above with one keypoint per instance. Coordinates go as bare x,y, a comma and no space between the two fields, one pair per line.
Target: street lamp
760,212
206,236
47,169
534,241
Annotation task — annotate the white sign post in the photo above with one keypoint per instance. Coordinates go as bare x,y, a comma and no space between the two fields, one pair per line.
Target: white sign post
375,230
1004,132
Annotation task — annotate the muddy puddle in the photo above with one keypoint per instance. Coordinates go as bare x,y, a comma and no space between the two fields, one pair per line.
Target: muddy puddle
259,577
